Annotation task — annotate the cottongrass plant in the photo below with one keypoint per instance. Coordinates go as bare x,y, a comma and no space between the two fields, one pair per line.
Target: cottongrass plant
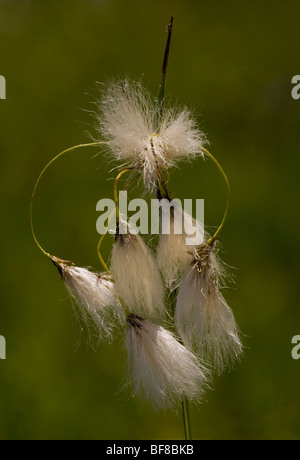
176,324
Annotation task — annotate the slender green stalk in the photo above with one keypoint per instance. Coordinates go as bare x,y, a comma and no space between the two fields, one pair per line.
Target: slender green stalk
184,401
116,200
186,420
116,196
99,248
215,235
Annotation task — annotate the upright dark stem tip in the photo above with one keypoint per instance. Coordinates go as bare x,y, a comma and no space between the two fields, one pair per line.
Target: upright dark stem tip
161,93
167,50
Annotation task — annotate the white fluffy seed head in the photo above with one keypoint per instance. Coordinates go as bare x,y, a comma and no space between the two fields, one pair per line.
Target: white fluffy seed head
203,318
174,255
95,297
127,120
137,278
163,371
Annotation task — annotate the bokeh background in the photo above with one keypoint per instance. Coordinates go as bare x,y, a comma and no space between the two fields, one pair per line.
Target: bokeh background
232,62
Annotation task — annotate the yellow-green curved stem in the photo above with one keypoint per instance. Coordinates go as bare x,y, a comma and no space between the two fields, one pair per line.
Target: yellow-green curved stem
116,200
116,196
91,144
100,255
215,235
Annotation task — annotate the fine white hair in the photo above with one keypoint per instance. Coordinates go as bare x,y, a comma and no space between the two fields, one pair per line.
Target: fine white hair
95,296
163,371
127,120
203,318
136,275
173,254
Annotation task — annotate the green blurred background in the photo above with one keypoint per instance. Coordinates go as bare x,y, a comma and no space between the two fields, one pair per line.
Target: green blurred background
233,63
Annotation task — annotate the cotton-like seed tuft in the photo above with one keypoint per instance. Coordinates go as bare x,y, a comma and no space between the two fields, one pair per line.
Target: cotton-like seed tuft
96,298
163,371
203,318
127,120
174,255
136,275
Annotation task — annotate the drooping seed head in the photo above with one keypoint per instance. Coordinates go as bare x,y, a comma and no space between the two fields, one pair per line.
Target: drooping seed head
163,371
203,318
95,296
136,275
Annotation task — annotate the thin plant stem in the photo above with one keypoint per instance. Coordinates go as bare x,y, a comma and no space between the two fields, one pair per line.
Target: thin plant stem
116,210
161,93
163,193
215,235
186,419
116,196
99,251
160,105
91,144
184,402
